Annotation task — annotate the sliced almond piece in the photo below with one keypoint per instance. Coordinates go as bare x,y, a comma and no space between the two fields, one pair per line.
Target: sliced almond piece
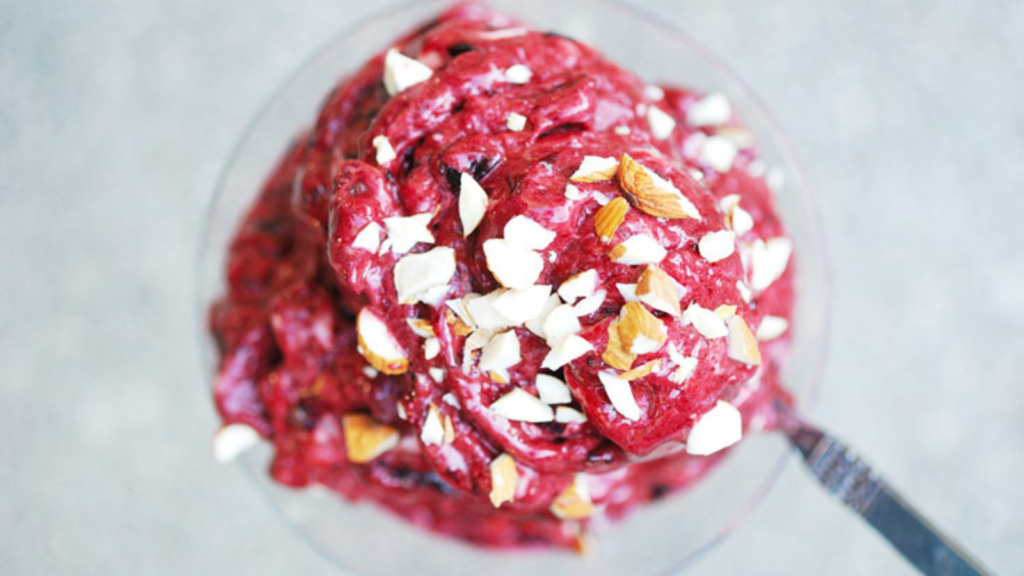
614,354
768,261
527,233
407,231
501,353
569,415
418,274
719,152
504,479
742,344
521,306
658,290
572,192
640,371
561,322
639,249
368,238
515,122
431,348
433,429
232,440
420,327
552,390
436,374
651,193
628,292
745,292
537,325
512,266
590,304
595,169
378,345
581,285
521,406
499,376
725,310
574,502
640,331
564,351
707,323
660,122
518,74
716,246
366,438
484,314
401,72
620,394
711,110
718,428
472,203
771,327
608,219
449,430
739,220
385,152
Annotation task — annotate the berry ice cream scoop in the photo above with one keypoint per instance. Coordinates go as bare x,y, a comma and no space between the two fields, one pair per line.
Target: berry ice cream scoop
503,286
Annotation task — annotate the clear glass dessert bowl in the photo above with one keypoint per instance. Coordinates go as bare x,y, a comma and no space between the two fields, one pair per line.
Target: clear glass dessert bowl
658,538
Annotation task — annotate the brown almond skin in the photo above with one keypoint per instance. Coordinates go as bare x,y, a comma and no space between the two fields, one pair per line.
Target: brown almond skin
608,219
640,190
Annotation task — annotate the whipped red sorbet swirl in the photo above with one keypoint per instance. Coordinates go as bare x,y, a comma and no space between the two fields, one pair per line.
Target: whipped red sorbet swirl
503,288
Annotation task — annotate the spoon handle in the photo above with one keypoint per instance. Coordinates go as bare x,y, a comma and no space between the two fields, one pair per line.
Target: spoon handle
850,479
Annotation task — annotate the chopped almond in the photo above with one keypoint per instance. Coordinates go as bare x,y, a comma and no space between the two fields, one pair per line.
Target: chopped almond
639,249
513,266
716,246
620,394
366,438
640,331
640,371
742,343
377,345
725,310
718,428
658,290
581,285
651,194
564,351
595,169
504,479
401,72
614,354
232,440
433,430
421,327
608,219
449,430
574,502
417,274
472,203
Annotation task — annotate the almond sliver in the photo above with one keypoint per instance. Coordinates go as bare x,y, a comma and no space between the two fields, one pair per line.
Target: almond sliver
366,438
504,479
378,345
652,194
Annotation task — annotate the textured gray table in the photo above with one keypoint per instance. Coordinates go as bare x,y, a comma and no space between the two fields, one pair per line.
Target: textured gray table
116,116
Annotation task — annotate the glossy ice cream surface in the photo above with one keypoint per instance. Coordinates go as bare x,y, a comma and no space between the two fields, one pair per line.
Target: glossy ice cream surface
503,287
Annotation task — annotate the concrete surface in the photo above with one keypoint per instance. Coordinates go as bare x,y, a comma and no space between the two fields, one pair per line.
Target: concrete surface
115,118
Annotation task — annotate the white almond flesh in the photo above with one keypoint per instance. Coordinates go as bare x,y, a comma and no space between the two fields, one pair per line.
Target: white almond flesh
401,72
420,327
231,440
378,345
552,390
513,266
526,233
416,274
572,192
368,238
565,351
719,152
436,374
518,74
620,393
521,406
628,292
569,415
515,122
661,123
504,479
407,231
483,313
431,348
501,352
385,152
745,292
561,322
771,327
707,323
711,110
537,325
742,343
458,306
717,246
472,203
719,428
742,221
581,285
637,250
768,261
590,304
521,306
433,429
595,169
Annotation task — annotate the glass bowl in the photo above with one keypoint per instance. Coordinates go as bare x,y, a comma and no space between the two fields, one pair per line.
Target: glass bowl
659,538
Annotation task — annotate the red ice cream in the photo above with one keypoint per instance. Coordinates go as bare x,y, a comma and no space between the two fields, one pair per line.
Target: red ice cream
503,286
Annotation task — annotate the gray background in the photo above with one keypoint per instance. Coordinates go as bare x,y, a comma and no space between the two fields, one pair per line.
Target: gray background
115,118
